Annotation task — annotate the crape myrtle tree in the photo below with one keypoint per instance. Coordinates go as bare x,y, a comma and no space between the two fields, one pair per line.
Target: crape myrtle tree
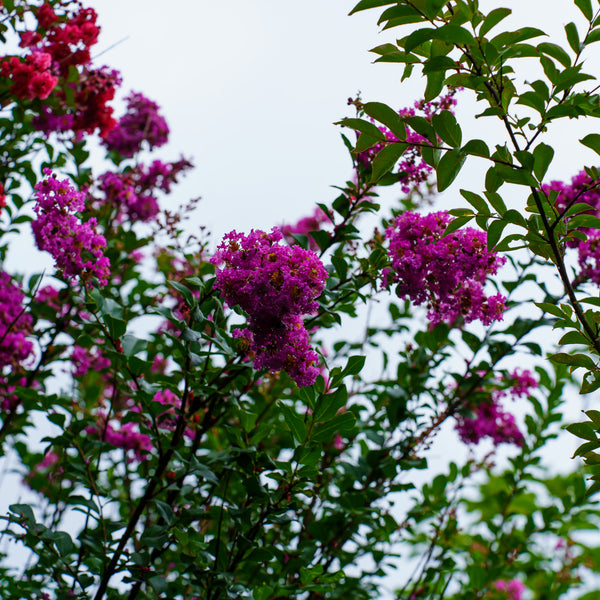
251,419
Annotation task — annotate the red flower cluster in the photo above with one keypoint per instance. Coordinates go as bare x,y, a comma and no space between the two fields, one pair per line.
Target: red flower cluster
30,78
68,44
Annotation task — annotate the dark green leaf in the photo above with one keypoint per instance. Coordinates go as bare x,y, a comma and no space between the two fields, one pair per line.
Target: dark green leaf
364,127
585,6
582,430
542,156
339,424
573,37
448,168
386,158
555,51
293,421
476,148
366,4
447,128
476,201
492,19
388,117
592,141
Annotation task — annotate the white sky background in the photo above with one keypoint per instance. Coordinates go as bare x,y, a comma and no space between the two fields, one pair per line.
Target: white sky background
251,88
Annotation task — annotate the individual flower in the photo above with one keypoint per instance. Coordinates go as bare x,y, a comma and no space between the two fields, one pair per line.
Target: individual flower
447,273
276,285
15,324
77,247
141,123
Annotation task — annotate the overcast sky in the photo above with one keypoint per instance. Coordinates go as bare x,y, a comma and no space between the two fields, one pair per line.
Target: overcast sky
251,90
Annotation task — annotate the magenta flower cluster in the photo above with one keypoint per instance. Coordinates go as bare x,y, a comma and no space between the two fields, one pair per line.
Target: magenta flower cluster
448,273
581,189
127,437
133,192
77,248
412,169
141,123
490,419
513,588
276,285
15,324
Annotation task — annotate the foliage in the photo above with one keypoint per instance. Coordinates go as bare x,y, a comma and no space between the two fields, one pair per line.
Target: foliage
249,423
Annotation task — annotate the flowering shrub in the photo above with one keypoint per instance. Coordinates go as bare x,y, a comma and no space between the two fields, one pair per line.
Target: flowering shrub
246,421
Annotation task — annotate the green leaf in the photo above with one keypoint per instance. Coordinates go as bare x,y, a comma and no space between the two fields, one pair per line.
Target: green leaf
339,424
448,168
476,201
492,19
354,366
293,421
582,430
494,233
573,37
585,6
385,160
476,148
456,224
423,127
366,4
542,157
364,127
555,51
573,337
388,117
592,141
447,128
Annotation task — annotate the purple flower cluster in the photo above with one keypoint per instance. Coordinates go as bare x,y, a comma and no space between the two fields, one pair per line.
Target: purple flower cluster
15,324
77,248
84,359
490,419
141,123
276,285
445,273
412,169
133,192
581,189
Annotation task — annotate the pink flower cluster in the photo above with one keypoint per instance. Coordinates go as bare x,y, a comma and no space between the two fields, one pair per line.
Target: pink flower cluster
15,324
30,78
581,189
513,588
412,169
8,399
490,419
276,285
126,437
133,192
141,123
69,43
77,248
445,273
